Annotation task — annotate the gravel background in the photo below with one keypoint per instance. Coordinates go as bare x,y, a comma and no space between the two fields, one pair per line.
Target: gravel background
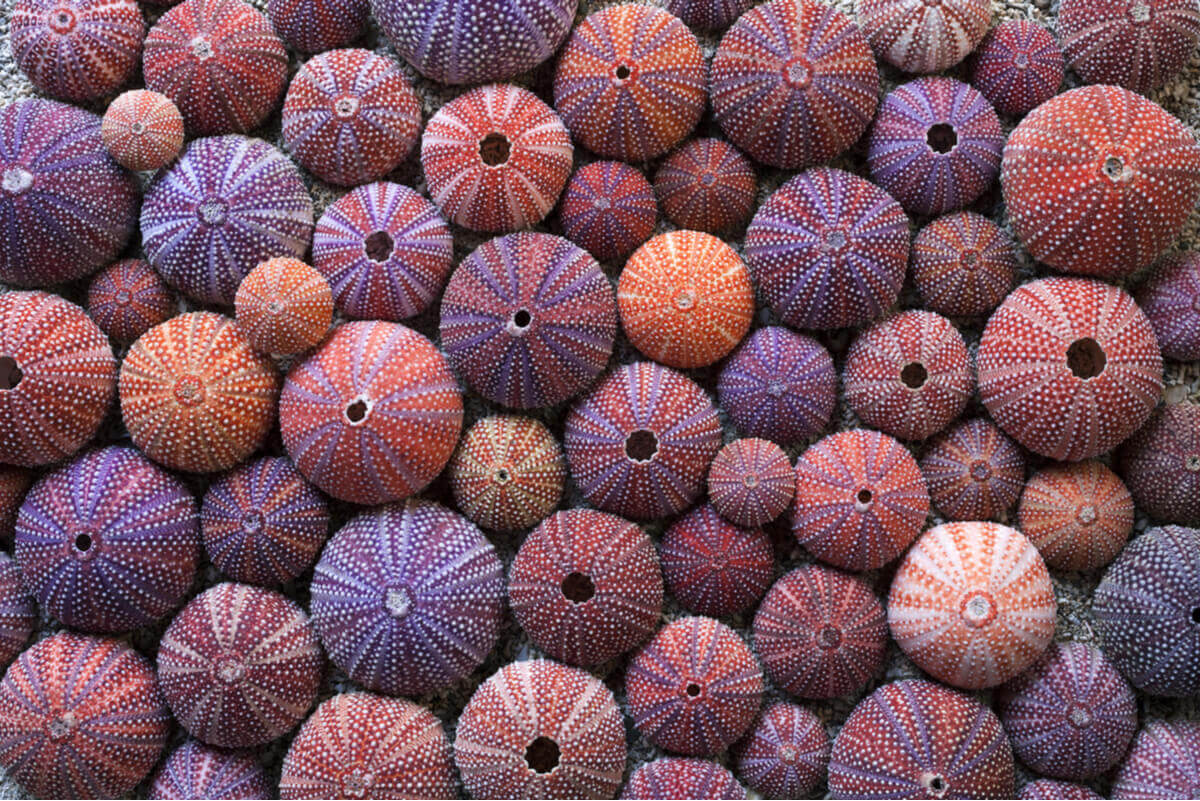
1181,97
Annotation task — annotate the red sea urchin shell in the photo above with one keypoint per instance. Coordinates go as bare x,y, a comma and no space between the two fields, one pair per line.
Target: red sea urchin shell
1069,367
1071,715
496,158
794,83
707,185
1171,301
586,586
314,26
1161,464
142,130
974,472
608,209
972,604
713,567
194,396
57,377
786,754
640,443
1018,67
14,481
17,611
385,250
67,208
1162,763
507,473
685,299
127,298
909,375
263,523
630,82
695,688
538,729
963,264
1137,44
196,770
751,482
821,633
80,717
1054,790
935,145
1078,514
284,306
76,50
924,35
1099,181
239,666
350,116
860,499
407,598
219,61
828,250
360,745
917,739
373,415
528,320
679,777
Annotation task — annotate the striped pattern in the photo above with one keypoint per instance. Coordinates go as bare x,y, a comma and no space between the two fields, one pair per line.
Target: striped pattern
127,299
1164,762
963,265
676,777
708,15
1053,790
17,611
195,770
1079,515
974,472
1137,44
283,306
373,415
314,26
142,130
407,598
1170,297
1018,67
1161,464
786,754
608,209
707,185
713,567
922,36
14,481
751,482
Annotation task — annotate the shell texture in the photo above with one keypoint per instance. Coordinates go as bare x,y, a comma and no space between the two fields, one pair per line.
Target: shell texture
18,615
707,185
1079,515
974,472
608,209
14,482
786,754
196,770
922,36
314,26
963,265
751,482
142,130
708,15
1171,301
1018,66
1056,790
680,777
284,306
127,298
1162,763
714,567
1161,464
1137,44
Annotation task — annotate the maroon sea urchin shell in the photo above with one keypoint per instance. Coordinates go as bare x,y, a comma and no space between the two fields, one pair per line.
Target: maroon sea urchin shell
963,264
80,717
1161,464
57,373
751,482
679,777
640,443
239,666
14,482
1100,181
786,754
707,185
974,472
1018,67
714,567
1164,762
1171,301
917,739
821,633
407,598
586,586
314,26
538,729
924,35
17,611
196,770
794,83
695,688
360,745
1053,790
608,209
1078,514
128,298
1137,44
708,15
1069,367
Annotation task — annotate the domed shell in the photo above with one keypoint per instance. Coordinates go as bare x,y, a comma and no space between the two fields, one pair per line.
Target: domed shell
923,36
1162,763
142,130
196,770
1079,515
1161,464
283,306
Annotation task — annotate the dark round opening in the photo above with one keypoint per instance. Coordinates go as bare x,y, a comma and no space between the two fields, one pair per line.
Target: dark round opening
10,373
494,149
1086,358
937,784
578,588
941,138
864,496
623,72
502,475
542,754
83,542
693,690
378,246
357,411
522,318
641,445
914,375
1113,167
1196,615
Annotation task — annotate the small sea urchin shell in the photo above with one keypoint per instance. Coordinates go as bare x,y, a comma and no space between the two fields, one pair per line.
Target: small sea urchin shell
1018,67
1171,301
974,472
679,777
963,264
1137,44
714,567
314,26
128,298
586,586
196,770
786,754
1161,464
608,209
751,482
708,15
924,36
17,611
1162,763
283,306
142,130
1054,790
707,185
538,729
1079,515
972,604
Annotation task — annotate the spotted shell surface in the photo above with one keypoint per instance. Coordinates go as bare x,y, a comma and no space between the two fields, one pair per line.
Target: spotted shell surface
751,482
1162,763
196,770
972,604
363,745
314,26
608,209
58,374
1137,44
586,586
373,415
1079,515
538,729
1054,789
14,483
786,754
195,396
407,598
1069,367
283,306
922,36
680,777
963,264
974,472
707,185
714,567
708,14
1171,300
128,298
1161,464
1018,66
17,611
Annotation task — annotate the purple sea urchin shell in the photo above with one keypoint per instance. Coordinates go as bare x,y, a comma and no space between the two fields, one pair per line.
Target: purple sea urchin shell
1018,67
407,598
713,567
707,185
640,443
528,320
226,205
679,777
1078,514
779,385
786,754
127,299
828,250
1171,301
1164,762
751,482
1071,715
1161,464
1137,44
196,770
314,26
1053,790
924,35
963,264
794,83
974,472
709,15
17,611
474,41
109,542
935,145
67,208
608,209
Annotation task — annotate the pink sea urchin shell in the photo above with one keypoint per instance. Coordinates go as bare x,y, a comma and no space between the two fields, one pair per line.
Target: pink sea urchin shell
1162,763
1137,44
924,35
1078,514
707,185
751,482
196,770
786,754
17,611
142,130
1018,66
1054,790
314,26
284,306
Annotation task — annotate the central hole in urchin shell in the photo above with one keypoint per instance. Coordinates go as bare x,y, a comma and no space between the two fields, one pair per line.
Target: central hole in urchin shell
1021,60
346,106
622,72
936,785
378,246
357,411
969,260
83,542
913,375
693,690
1139,12
941,138
1086,358
1196,615
494,149
1191,463
578,588
641,445
522,318
542,755
1114,167
980,470
10,373
829,637
864,496
202,49
62,21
